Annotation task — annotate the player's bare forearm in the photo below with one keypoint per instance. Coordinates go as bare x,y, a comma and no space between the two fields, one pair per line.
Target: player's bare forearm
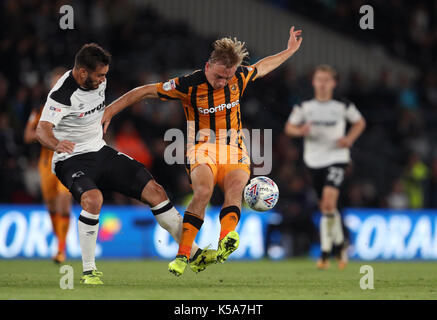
292,130
129,98
135,95
44,134
270,63
356,130
29,133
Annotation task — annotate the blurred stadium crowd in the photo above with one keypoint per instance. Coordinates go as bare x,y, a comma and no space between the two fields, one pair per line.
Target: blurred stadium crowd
407,29
394,163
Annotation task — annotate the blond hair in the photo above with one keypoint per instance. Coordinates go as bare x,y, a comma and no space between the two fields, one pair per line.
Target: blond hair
327,68
229,52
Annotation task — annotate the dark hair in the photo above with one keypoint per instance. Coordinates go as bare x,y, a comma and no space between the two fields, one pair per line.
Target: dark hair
91,55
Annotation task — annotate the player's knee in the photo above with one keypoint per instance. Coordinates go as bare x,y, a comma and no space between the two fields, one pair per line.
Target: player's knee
64,203
64,212
234,190
92,201
202,194
51,206
327,206
153,193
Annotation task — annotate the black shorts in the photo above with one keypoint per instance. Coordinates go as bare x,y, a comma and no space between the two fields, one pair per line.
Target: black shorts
332,175
106,169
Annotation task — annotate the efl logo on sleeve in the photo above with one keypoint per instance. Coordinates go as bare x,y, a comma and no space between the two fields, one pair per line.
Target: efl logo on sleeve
169,85
54,109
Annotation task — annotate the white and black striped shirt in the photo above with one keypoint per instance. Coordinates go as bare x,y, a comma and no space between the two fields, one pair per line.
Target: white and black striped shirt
76,114
327,121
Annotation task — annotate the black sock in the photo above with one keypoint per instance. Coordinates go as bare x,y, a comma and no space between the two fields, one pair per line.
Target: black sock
199,251
336,250
325,255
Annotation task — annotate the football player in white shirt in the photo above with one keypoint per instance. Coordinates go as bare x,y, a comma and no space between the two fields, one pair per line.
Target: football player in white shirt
322,122
70,125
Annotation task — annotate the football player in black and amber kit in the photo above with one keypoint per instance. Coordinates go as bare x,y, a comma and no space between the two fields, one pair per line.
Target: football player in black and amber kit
216,153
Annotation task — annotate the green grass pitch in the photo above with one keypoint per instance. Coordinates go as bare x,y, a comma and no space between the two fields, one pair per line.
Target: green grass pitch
289,279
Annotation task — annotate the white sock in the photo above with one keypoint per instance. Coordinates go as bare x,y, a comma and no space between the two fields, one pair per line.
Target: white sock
326,232
338,229
171,220
88,227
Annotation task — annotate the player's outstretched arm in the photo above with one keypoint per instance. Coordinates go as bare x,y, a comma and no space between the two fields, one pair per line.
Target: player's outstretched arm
264,66
29,135
129,98
45,136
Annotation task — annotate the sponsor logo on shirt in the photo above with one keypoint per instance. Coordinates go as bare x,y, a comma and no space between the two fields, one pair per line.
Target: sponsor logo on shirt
221,107
324,123
98,108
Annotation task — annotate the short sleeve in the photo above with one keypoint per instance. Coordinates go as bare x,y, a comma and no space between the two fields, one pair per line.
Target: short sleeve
171,90
248,74
296,116
54,111
352,113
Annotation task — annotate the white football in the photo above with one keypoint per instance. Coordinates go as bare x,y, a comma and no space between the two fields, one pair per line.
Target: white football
261,194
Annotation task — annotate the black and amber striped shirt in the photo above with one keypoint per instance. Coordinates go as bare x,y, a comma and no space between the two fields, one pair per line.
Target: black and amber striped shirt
207,109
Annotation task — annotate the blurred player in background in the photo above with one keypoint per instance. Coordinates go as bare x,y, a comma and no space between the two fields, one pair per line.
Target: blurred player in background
216,153
70,125
56,197
322,122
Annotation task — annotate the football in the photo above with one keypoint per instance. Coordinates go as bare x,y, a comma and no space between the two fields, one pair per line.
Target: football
261,194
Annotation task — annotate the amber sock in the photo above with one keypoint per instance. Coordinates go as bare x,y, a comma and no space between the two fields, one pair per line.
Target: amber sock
63,224
54,218
190,227
229,217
